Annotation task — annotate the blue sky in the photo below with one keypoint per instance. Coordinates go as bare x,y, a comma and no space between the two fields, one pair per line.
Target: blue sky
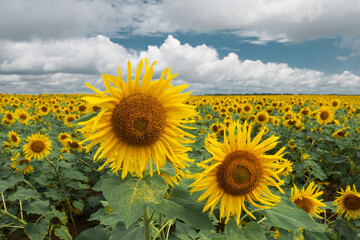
236,46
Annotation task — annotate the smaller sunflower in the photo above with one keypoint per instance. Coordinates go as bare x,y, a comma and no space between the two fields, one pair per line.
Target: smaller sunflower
262,117
17,162
75,145
306,199
324,116
39,146
63,137
14,138
348,202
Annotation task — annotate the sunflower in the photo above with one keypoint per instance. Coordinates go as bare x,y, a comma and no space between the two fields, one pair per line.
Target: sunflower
341,133
306,199
75,145
17,162
348,202
43,110
14,138
247,108
138,123
82,109
262,117
39,146
63,137
239,170
9,117
324,116
335,103
70,118
23,116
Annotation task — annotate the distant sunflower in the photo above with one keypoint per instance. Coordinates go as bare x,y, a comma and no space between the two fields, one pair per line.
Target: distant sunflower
325,115
14,138
262,117
39,146
348,202
137,123
64,137
9,117
307,200
75,145
240,170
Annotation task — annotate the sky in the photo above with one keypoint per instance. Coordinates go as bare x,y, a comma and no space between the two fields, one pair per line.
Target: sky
215,46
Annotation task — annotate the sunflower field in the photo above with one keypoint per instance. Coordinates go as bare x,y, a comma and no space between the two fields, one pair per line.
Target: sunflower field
147,160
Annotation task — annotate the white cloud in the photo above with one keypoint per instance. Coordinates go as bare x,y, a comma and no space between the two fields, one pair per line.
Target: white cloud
267,20
65,65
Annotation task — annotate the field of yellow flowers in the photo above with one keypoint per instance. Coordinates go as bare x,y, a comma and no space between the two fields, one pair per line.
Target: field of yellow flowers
161,164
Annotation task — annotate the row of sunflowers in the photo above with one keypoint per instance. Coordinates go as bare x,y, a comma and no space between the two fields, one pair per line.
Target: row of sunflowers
144,159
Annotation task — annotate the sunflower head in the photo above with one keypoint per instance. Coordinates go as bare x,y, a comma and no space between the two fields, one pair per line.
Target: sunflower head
38,146
348,202
239,170
306,199
139,124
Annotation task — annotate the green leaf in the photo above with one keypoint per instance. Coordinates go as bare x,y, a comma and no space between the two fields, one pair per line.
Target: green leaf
252,231
135,231
93,234
130,196
289,216
79,204
346,228
318,172
85,118
37,207
309,235
60,215
286,234
23,194
181,205
37,231
12,181
63,233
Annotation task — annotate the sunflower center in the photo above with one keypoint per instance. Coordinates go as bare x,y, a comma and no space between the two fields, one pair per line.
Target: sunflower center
82,108
9,116
73,144
23,116
70,119
335,104
324,115
139,119
352,202
304,203
14,138
261,118
239,173
37,146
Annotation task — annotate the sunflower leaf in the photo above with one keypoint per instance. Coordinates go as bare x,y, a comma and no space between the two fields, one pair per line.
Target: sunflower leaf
288,216
252,231
129,197
186,209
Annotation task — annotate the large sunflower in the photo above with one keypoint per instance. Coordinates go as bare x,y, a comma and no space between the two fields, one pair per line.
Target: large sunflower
348,202
138,124
39,146
307,200
240,171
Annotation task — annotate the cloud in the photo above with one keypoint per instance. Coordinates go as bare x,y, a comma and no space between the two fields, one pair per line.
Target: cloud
274,20
63,66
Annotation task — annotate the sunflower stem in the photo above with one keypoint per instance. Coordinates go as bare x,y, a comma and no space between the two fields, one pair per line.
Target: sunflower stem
19,220
56,168
162,233
243,218
147,221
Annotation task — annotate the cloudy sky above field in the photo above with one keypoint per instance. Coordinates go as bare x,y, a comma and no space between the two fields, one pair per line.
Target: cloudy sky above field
215,46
